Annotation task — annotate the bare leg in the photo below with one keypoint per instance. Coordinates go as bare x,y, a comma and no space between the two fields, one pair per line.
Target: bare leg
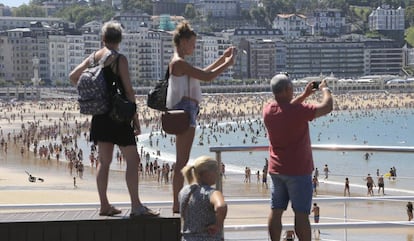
183,149
105,158
275,224
131,176
302,226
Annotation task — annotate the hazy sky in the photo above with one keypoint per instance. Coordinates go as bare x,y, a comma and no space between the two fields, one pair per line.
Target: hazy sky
14,3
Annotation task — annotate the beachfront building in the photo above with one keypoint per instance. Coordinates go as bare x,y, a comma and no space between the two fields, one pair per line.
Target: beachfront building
241,38
143,51
291,25
262,59
343,57
66,52
25,44
382,57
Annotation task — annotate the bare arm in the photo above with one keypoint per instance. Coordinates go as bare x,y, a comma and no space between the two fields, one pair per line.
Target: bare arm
180,67
307,92
227,53
326,105
77,71
220,207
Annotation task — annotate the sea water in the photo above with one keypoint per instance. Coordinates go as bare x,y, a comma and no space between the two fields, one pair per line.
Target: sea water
384,127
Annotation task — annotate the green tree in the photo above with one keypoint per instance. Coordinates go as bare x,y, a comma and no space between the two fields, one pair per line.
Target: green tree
30,10
81,14
409,36
190,11
259,15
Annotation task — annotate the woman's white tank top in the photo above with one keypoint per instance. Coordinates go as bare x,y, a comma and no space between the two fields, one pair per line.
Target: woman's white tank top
180,86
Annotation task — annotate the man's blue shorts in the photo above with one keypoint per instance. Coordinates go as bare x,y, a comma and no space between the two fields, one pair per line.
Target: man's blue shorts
191,107
297,189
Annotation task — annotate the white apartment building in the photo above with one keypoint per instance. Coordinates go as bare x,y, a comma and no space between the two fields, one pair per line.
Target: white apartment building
218,8
386,18
291,25
143,51
66,52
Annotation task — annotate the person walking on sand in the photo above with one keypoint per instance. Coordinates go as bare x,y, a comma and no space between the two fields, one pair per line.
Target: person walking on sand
184,92
410,211
370,185
290,153
346,189
381,184
121,134
315,184
316,211
326,171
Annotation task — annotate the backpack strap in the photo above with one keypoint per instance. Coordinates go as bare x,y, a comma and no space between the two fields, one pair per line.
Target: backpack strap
105,57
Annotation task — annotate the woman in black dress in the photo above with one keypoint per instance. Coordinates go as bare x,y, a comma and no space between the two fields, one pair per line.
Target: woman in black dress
107,132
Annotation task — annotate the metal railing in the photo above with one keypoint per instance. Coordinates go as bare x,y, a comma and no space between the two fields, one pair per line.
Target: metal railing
322,147
333,225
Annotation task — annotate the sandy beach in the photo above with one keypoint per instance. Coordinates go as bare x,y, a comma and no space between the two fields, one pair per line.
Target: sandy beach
58,186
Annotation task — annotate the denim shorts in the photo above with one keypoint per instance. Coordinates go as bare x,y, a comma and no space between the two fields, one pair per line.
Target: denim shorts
189,106
297,189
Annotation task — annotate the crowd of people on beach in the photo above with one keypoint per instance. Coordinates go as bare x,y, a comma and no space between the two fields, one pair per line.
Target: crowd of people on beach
58,124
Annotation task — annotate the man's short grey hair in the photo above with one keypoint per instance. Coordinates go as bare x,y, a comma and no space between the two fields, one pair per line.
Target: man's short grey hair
279,83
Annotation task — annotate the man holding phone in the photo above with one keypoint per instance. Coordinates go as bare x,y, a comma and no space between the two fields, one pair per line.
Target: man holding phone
291,162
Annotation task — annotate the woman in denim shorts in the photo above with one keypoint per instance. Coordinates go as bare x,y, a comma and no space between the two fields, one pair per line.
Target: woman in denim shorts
184,92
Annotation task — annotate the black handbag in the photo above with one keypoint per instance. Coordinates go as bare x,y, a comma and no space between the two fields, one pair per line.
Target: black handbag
122,109
157,96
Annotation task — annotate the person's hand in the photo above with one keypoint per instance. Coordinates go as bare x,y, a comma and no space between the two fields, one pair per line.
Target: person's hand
231,58
229,51
309,89
323,84
136,126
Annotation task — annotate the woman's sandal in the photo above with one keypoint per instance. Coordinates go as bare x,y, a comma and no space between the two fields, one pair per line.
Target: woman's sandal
110,212
143,212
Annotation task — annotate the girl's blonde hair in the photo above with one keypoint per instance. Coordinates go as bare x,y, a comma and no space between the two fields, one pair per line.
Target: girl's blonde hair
183,31
201,164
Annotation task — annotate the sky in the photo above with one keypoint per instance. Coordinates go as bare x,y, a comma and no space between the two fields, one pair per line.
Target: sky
14,3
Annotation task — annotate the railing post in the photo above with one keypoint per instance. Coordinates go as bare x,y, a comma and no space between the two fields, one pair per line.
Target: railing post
345,220
219,183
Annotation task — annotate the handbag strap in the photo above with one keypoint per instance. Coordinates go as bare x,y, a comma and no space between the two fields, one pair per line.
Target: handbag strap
118,83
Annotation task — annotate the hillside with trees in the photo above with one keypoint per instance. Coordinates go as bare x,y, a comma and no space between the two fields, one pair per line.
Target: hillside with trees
356,11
